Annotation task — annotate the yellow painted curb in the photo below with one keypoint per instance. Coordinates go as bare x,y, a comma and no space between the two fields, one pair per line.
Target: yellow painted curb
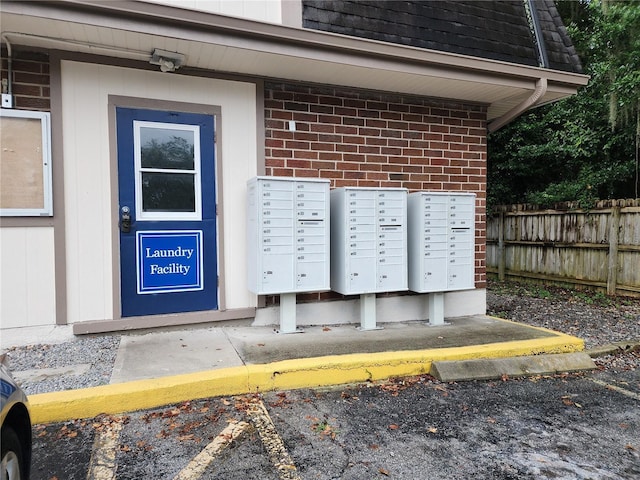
283,375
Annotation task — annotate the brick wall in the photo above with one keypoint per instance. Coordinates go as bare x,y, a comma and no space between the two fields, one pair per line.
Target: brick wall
31,87
360,138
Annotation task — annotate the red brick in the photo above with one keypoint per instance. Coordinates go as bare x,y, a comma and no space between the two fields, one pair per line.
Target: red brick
377,141
32,103
330,100
393,142
411,152
323,165
376,159
296,144
346,130
391,115
354,139
409,134
276,152
352,121
324,146
344,147
305,117
324,137
355,174
368,149
333,119
322,109
391,151
24,90
306,155
370,132
334,156
282,114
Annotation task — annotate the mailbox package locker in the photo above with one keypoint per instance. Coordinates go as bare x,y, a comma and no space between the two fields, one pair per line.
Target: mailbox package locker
288,235
441,241
368,240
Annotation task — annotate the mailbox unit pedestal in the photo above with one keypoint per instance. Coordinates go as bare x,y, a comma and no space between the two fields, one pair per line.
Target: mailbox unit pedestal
368,245
441,246
288,240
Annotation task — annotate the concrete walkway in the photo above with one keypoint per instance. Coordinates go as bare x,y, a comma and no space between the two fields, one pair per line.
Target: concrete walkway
160,368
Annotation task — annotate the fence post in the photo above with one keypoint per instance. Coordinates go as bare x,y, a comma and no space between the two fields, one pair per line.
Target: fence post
612,272
501,251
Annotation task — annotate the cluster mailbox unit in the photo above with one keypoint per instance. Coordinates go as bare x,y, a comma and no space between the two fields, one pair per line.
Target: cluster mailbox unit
441,245
288,240
368,244
381,240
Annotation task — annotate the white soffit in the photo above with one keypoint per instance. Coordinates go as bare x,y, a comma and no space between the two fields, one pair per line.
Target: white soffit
264,56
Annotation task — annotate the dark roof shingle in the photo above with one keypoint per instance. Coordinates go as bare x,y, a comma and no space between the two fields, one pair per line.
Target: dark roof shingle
497,30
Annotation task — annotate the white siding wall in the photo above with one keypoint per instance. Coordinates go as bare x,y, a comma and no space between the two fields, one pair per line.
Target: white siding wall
90,216
27,283
260,10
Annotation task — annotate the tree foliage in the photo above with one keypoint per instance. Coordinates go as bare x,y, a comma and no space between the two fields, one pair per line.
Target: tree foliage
583,148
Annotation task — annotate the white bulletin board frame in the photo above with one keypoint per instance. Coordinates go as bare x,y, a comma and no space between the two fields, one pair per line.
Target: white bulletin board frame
30,152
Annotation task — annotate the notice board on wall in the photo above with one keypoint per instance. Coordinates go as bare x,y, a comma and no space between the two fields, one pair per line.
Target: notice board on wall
25,163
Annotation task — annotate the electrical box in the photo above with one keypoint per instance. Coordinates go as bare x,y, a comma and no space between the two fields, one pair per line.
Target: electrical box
441,241
288,235
368,240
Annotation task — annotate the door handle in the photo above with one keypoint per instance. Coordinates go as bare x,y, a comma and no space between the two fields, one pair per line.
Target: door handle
125,219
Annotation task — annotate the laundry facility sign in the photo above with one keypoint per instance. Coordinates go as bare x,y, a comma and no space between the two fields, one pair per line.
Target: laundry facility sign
169,261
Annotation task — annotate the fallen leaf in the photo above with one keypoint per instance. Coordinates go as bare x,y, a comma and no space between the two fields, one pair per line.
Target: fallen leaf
261,344
384,472
374,447
432,430
393,426
491,420
630,447
326,329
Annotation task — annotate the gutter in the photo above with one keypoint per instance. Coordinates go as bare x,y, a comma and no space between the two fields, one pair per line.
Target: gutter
534,99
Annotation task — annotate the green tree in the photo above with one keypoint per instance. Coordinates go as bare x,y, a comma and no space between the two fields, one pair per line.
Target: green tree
583,148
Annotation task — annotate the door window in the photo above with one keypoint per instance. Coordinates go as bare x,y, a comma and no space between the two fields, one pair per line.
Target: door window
167,165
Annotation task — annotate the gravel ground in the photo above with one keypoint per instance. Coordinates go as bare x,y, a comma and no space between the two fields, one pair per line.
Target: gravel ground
597,319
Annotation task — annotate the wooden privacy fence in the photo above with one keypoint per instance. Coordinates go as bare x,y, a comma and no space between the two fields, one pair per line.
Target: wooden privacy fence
599,247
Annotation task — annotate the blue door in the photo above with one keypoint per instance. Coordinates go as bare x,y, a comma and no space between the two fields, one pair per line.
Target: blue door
167,210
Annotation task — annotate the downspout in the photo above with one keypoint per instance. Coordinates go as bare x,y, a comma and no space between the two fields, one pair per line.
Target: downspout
534,98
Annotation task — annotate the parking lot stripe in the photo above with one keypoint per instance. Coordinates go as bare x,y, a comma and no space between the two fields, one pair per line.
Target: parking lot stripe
617,389
102,465
200,462
276,450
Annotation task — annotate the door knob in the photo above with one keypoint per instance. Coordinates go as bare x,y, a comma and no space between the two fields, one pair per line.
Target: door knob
125,219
